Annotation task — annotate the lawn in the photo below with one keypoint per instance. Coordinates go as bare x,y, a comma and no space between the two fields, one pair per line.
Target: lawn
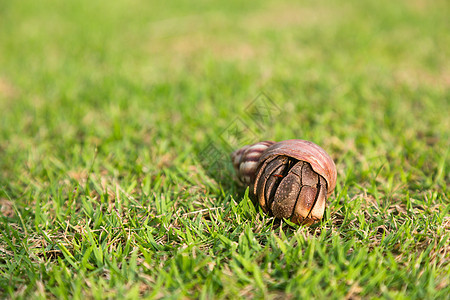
118,118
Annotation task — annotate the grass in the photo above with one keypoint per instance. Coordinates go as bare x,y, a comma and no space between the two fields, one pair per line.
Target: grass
117,120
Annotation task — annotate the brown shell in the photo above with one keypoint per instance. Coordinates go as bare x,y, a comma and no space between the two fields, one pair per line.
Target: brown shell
246,160
307,151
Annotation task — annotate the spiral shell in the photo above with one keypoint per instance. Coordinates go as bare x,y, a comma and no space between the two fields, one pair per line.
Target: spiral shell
245,160
307,151
290,179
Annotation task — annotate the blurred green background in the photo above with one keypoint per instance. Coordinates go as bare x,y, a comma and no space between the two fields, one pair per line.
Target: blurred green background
135,77
95,95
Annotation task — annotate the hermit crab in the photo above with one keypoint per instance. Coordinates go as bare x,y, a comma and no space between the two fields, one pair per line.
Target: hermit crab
290,179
